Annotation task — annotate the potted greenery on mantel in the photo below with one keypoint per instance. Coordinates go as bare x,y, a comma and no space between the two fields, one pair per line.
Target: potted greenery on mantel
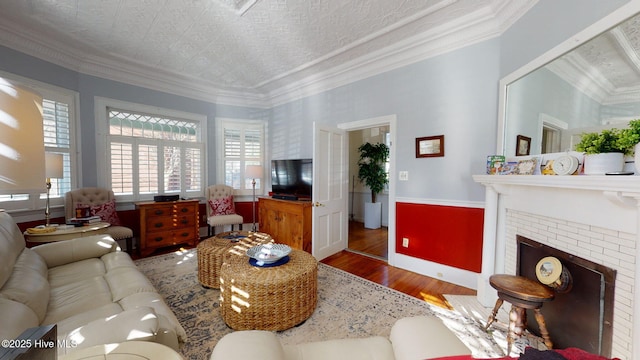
602,150
372,173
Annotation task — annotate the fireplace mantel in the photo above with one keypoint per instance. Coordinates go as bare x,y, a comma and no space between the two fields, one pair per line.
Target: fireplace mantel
610,203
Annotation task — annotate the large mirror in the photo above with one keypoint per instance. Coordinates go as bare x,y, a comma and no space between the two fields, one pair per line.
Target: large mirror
594,86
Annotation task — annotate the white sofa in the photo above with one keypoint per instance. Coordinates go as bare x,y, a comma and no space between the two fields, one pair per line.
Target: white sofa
87,286
412,338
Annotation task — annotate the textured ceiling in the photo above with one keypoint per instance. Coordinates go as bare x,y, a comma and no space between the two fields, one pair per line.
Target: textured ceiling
607,68
249,46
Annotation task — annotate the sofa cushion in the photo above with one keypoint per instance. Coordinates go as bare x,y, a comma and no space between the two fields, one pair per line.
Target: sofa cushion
116,260
138,324
166,317
28,284
11,245
409,335
246,344
16,318
75,272
371,348
77,297
73,322
69,251
127,281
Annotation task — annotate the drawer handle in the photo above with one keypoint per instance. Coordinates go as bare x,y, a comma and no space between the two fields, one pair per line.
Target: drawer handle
159,225
184,210
158,239
184,234
159,212
184,221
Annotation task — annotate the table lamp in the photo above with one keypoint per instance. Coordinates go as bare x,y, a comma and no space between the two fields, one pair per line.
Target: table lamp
253,172
53,169
21,140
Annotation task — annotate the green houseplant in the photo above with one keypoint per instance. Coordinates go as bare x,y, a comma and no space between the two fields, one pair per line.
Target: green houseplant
372,173
603,150
629,141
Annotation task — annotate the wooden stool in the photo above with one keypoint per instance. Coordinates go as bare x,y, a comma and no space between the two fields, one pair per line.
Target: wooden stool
522,293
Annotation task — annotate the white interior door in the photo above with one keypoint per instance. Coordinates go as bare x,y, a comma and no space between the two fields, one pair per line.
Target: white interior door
330,185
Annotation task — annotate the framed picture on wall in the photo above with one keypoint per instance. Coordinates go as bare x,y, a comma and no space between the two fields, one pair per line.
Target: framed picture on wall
430,146
523,145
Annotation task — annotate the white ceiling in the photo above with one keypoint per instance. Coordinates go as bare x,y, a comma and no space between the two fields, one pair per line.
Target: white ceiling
607,68
249,52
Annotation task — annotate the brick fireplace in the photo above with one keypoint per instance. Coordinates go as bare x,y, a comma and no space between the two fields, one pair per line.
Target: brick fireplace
593,217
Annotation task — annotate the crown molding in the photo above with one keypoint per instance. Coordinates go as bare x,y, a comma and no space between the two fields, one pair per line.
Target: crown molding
482,24
476,27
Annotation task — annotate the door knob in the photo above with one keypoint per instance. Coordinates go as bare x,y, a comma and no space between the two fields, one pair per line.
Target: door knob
318,204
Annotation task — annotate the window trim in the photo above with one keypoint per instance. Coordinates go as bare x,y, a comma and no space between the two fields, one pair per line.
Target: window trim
101,105
36,201
220,164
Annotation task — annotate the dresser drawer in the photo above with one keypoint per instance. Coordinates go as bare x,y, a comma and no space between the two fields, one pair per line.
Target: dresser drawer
168,238
156,223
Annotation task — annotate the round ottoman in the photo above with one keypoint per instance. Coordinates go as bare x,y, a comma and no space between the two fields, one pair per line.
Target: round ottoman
211,251
268,298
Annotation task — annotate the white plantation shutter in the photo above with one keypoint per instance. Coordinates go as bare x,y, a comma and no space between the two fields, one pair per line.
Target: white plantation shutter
154,154
243,144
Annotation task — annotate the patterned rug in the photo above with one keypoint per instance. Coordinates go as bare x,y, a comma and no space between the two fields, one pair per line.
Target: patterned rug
348,307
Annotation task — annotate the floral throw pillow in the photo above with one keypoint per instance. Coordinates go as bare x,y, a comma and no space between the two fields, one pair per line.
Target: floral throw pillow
107,212
223,206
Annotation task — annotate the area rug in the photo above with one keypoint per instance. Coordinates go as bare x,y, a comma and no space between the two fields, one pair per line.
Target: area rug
348,307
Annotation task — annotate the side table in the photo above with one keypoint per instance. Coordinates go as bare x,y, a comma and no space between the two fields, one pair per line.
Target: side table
68,233
211,251
268,298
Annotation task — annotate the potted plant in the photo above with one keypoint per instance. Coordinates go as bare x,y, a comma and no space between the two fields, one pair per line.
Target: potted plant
629,141
372,173
603,152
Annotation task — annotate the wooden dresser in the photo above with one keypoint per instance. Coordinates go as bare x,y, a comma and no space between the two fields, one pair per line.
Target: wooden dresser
168,223
288,222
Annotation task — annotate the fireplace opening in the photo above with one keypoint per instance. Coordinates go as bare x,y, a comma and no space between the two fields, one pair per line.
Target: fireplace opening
581,317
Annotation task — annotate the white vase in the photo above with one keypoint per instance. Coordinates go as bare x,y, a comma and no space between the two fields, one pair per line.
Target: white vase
372,215
636,158
600,164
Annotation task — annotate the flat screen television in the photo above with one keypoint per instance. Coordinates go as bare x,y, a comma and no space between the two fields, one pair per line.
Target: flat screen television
291,179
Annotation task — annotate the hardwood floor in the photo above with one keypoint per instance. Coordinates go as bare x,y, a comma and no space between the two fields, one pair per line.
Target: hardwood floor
368,241
408,282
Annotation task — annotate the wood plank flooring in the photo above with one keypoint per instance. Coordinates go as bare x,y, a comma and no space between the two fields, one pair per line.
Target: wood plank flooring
408,282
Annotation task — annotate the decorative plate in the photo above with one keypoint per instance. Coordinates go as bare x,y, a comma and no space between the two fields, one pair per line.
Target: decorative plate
268,253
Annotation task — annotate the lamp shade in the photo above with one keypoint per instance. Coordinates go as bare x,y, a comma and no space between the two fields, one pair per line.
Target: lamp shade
253,172
21,140
54,167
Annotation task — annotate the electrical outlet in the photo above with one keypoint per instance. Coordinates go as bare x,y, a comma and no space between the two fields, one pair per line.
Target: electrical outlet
404,175
405,242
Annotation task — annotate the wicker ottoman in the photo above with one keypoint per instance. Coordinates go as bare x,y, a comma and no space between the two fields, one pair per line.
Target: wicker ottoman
211,251
268,298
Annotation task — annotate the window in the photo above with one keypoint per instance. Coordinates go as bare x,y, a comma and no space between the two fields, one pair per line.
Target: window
151,151
58,110
240,143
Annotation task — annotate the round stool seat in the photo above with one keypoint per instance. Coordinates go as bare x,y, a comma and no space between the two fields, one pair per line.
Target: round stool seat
522,293
528,293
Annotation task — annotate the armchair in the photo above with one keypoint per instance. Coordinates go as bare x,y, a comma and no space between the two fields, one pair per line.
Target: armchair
102,202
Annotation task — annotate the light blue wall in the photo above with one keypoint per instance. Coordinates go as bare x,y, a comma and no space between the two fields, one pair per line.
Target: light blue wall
454,94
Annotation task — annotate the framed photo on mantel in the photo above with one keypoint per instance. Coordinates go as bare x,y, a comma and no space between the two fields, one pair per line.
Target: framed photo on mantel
430,146
523,145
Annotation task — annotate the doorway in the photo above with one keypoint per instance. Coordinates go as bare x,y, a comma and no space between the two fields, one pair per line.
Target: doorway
377,243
